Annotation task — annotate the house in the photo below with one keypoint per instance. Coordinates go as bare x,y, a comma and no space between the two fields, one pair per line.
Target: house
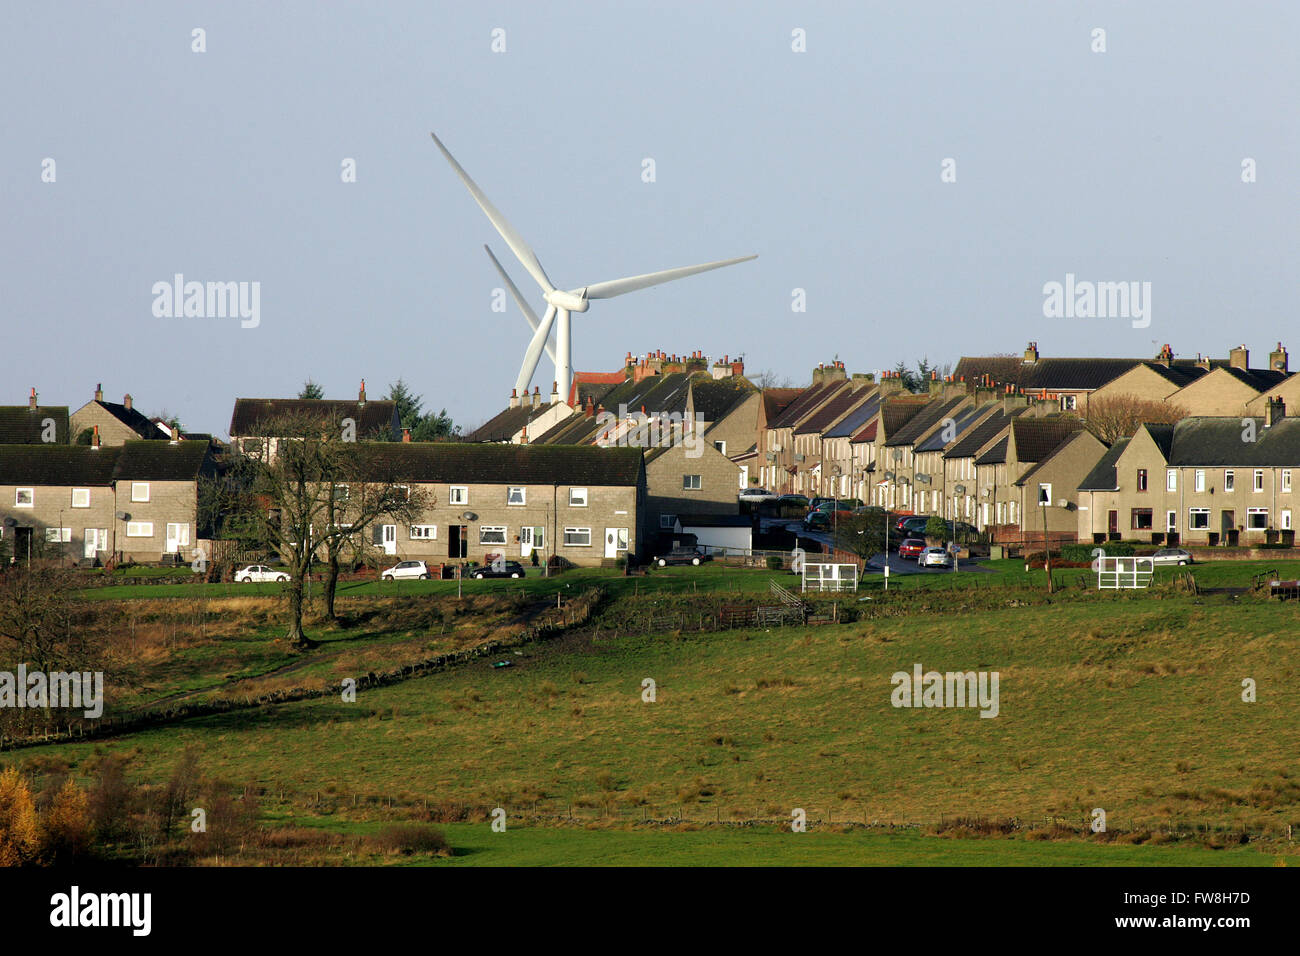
1205,480
1048,489
713,532
33,422
1230,389
689,479
117,423
254,420
138,500
1024,442
585,504
1068,381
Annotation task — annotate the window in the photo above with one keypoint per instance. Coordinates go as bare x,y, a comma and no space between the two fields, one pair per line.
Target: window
81,497
1200,480
1257,480
178,535
577,497
1142,479
341,492
24,497
492,534
1198,519
1171,480
1044,494
721,446
1229,480
691,483
1286,519
1286,479
667,521
1256,519
139,529
516,496
424,532
58,534
139,491
577,537
458,495
1067,403
1171,521
1141,519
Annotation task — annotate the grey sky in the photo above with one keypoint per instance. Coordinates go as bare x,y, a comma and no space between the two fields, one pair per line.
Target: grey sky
225,165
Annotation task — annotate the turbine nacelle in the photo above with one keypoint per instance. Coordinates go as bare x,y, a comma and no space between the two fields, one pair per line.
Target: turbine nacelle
568,301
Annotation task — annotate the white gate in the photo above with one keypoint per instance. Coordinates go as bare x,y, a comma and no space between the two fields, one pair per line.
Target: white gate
1124,572
830,577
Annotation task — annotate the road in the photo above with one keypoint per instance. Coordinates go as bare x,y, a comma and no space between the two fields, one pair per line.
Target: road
876,565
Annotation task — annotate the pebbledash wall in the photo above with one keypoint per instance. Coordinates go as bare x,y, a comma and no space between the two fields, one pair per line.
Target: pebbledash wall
582,523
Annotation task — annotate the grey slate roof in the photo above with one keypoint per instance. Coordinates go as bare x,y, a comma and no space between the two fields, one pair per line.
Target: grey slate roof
72,465
854,420
923,421
1103,477
20,424
982,434
251,415
995,455
1215,441
464,463
961,423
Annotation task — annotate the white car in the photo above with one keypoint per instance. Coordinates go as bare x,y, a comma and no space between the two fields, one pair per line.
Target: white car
935,558
757,495
1177,556
259,574
406,569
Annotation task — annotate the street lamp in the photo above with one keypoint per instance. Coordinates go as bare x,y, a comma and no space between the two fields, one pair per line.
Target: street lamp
1043,502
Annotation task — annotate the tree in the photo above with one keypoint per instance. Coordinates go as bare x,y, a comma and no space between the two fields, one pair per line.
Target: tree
862,534
1119,416
770,379
19,831
311,390
410,411
38,619
936,528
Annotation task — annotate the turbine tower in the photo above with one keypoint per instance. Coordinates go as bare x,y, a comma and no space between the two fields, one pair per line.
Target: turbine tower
559,303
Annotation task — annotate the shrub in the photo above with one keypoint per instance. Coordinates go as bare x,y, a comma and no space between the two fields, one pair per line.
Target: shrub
67,824
775,562
408,838
19,836
1082,553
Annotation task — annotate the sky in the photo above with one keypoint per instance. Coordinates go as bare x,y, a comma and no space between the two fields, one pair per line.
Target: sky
815,135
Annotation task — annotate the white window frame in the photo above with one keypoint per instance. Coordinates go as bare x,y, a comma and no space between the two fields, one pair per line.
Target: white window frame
519,491
1229,480
1171,479
1198,482
1286,479
1252,512
577,497
136,493
58,535
687,484
1192,514
182,538
1286,519
1257,480
721,447
342,492
138,526
422,532
31,498
458,495
84,494
493,529
572,532
1041,486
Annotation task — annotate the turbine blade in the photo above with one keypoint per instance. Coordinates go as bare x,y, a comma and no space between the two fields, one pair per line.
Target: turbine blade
523,253
524,307
534,353
607,290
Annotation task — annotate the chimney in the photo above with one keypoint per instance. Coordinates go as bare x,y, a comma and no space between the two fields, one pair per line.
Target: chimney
361,395
537,396
99,392
590,408
1239,357
1031,353
126,400
514,398
94,439
1277,359
523,435
555,392
406,435
176,433
1166,356
31,401
1274,412
1202,361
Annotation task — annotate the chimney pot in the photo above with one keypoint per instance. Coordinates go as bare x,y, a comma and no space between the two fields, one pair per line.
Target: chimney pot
126,400
406,435
94,439
99,392
31,401
361,394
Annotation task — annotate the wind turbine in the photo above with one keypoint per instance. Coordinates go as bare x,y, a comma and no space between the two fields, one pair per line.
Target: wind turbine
559,303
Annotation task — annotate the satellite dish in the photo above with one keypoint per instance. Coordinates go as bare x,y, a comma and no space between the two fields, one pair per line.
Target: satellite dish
123,516
10,522
468,516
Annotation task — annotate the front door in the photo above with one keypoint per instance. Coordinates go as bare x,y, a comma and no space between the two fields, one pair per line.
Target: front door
390,539
1228,525
178,535
457,545
531,538
92,543
1112,524
615,541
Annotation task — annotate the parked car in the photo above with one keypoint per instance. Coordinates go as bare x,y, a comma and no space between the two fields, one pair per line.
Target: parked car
406,569
911,524
935,558
793,501
1179,556
757,495
499,569
911,548
683,556
817,521
259,573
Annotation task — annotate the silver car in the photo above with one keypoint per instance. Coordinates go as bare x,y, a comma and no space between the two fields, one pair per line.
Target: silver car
406,569
259,573
935,558
1179,556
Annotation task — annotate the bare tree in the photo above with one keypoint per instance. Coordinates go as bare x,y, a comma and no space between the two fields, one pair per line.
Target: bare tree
770,379
1119,416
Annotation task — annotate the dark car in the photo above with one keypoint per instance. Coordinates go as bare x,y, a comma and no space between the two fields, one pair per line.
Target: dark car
499,569
911,548
911,524
793,501
817,521
682,556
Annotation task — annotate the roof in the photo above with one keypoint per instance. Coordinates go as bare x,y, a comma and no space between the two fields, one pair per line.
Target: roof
995,455
854,420
982,434
251,415
1103,477
1053,374
161,460
21,424
1079,435
74,465
830,411
505,425
897,411
131,417
777,400
466,463
925,419
714,398
1036,438
1260,379
1212,441
806,403
715,521
961,423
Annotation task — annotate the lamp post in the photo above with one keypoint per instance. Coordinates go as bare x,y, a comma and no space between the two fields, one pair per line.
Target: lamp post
1047,548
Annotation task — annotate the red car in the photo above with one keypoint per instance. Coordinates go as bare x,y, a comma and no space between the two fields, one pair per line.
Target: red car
911,548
